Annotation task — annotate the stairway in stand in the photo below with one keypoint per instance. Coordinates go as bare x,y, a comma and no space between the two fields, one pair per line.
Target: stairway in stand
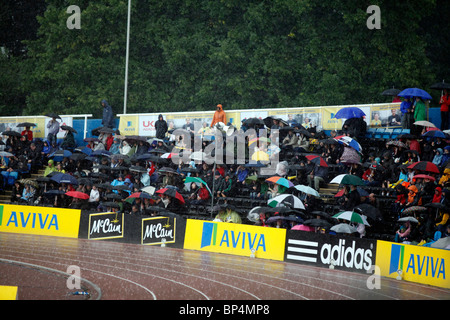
5,195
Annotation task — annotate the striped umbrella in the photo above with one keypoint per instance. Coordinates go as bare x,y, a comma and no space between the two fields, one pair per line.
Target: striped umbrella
352,217
287,200
280,181
424,166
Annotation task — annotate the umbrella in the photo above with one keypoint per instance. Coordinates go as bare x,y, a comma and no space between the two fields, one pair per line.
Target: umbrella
286,199
352,217
343,228
322,223
414,209
348,179
77,194
61,153
442,243
53,115
280,181
415,92
322,214
171,193
12,133
440,86
346,140
68,128
64,178
5,154
391,92
436,134
410,219
424,176
168,155
26,124
349,113
307,190
149,189
140,195
303,227
425,123
198,156
370,211
251,122
197,180
424,166
317,160
396,143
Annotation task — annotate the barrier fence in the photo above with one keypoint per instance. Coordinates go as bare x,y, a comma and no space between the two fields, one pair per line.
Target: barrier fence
412,263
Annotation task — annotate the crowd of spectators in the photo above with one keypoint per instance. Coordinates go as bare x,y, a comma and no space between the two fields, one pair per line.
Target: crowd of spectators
136,175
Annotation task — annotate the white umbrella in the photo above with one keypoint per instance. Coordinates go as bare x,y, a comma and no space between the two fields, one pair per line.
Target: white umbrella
307,190
424,123
149,189
198,155
410,219
343,228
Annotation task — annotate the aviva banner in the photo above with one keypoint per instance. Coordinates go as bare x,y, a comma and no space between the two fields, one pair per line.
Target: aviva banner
414,263
40,220
236,239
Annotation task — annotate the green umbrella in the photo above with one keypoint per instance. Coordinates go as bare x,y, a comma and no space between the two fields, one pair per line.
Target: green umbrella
351,216
197,180
348,179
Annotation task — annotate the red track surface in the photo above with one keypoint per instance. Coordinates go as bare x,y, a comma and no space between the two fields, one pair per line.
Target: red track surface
111,271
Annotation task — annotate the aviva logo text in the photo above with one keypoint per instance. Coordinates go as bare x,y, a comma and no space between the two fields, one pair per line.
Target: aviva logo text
231,238
236,239
39,220
418,262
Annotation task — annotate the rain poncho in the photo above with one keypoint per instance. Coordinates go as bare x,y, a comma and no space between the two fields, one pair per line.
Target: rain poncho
50,168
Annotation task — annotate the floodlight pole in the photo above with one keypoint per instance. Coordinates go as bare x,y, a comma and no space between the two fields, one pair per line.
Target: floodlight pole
126,60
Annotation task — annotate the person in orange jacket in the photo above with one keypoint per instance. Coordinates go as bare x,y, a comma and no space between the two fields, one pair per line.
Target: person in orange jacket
219,116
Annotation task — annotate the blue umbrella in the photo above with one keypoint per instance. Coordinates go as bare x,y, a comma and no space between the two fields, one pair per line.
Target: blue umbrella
436,134
64,178
349,113
415,92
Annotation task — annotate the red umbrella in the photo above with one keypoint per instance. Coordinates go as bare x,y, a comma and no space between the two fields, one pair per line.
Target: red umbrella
141,195
317,160
171,193
77,194
424,166
424,176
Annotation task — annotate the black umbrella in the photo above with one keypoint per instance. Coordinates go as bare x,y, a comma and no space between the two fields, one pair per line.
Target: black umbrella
26,124
53,115
11,133
440,86
68,128
369,211
391,92
251,122
317,223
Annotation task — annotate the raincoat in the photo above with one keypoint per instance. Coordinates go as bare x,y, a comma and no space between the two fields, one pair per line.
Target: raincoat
219,116
108,117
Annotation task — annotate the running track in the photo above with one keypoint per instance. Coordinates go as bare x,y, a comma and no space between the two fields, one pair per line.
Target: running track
117,271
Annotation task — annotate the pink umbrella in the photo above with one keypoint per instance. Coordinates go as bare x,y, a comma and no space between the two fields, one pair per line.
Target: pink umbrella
302,227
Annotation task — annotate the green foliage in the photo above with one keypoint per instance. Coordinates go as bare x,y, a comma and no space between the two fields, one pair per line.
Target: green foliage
191,55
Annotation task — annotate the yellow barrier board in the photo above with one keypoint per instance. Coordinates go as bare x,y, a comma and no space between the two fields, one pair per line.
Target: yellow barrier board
40,220
8,293
414,263
236,239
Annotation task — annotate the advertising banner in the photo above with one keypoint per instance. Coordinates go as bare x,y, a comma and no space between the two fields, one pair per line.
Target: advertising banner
147,125
106,225
414,263
129,125
236,239
323,250
40,220
158,230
